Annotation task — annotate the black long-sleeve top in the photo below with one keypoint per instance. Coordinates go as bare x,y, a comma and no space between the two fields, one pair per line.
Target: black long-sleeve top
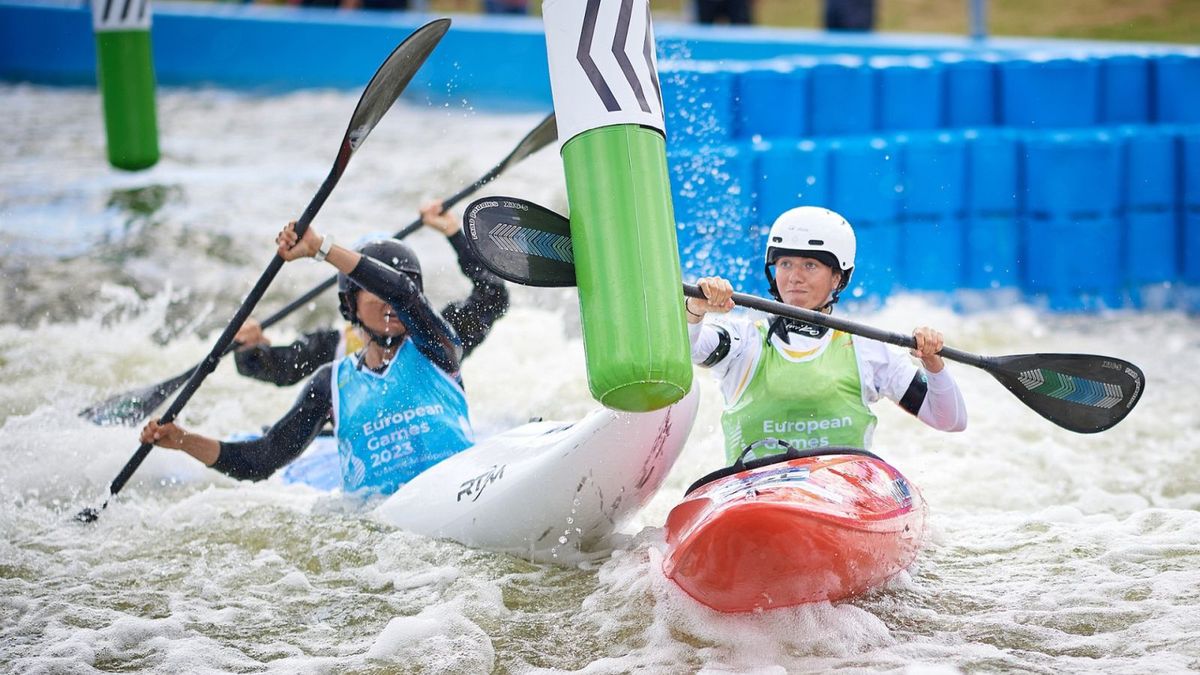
431,334
471,319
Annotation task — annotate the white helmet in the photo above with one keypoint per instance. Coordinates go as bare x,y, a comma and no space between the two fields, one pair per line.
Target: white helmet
812,232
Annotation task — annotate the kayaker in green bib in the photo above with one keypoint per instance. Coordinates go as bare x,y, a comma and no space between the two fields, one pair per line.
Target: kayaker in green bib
806,384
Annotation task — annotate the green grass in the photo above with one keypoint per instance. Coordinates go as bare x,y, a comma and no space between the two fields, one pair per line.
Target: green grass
1131,20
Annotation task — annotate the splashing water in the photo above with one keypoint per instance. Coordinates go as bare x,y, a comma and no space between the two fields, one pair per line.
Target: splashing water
1049,552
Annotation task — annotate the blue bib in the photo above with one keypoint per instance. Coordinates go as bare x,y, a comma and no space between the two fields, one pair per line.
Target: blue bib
393,425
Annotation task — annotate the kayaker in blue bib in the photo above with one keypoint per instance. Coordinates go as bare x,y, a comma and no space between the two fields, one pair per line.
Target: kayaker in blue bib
802,383
471,317
397,405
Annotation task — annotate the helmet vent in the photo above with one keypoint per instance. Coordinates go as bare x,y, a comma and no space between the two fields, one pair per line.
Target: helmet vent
776,239
816,242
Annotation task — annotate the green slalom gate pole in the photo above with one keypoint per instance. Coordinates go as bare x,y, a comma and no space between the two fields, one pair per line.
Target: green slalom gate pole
125,71
608,103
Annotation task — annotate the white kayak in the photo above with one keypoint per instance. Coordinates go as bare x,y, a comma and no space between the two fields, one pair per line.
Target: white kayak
543,491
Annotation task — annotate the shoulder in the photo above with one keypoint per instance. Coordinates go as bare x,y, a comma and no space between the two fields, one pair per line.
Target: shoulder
739,327
321,379
873,350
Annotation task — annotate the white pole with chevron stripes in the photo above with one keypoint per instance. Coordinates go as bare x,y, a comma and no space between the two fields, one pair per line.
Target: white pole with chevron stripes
608,103
125,71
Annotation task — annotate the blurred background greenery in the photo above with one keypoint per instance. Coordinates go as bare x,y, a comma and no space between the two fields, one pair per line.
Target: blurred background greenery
1136,20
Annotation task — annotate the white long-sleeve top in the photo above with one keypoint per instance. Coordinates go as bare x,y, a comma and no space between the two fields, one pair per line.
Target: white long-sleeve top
884,372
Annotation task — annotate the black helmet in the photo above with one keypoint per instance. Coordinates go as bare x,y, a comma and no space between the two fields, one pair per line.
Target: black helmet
390,252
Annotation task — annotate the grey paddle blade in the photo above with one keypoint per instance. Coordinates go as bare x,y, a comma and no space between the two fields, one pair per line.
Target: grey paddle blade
542,135
545,133
1079,392
391,79
521,241
132,407
382,91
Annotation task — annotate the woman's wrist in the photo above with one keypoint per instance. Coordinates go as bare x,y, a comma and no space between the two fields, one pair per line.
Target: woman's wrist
693,315
323,248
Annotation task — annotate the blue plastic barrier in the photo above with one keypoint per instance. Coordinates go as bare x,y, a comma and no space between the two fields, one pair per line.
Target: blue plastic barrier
1072,230
933,167
992,255
908,93
970,90
1151,168
1150,203
1074,264
713,187
791,174
1177,89
1073,175
772,102
697,102
716,220
1191,248
1151,247
841,98
864,179
1190,241
1124,89
993,173
865,188
1047,93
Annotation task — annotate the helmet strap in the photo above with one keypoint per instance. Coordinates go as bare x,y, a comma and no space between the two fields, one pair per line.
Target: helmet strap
385,342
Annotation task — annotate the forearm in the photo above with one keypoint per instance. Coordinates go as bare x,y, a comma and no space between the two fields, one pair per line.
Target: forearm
472,319
285,366
430,332
258,459
693,312
943,407
203,448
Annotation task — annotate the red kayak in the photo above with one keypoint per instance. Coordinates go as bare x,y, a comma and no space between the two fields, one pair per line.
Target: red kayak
793,528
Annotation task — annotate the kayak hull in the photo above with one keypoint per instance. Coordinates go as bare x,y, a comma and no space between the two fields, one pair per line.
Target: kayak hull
546,490
815,529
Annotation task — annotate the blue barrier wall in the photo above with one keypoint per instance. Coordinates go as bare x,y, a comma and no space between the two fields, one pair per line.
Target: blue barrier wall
279,49
1069,171
991,252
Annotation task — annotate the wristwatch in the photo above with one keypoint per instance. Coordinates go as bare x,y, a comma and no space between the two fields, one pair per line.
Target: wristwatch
324,249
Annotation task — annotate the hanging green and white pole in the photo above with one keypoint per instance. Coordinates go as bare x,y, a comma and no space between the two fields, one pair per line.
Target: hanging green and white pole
125,70
608,103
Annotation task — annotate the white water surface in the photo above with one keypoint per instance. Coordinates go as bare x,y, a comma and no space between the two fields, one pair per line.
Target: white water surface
1049,551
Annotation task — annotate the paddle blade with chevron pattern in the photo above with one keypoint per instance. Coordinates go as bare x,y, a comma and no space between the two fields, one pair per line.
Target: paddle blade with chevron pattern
521,241
1078,392
531,245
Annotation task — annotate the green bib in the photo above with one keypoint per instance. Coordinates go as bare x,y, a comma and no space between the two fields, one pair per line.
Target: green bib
810,404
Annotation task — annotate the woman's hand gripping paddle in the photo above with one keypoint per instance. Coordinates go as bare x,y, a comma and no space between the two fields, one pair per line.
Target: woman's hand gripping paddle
381,92
131,408
528,244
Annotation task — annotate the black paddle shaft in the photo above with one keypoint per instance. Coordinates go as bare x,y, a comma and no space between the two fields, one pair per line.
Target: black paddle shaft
529,244
381,92
133,406
226,339
844,325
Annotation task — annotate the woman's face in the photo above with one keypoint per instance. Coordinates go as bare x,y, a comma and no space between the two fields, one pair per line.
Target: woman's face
378,316
805,282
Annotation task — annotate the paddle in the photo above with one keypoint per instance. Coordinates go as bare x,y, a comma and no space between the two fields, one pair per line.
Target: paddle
529,244
133,407
381,92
